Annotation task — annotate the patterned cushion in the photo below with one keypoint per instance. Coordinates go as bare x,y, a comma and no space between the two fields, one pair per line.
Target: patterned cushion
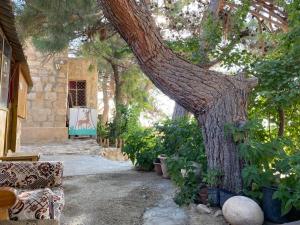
31,175
38,204
32,205
58,202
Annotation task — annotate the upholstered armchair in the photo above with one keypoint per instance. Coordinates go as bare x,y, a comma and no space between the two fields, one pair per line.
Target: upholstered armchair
37,187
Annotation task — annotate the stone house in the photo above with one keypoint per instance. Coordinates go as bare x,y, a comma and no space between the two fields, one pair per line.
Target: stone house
60,83
15,81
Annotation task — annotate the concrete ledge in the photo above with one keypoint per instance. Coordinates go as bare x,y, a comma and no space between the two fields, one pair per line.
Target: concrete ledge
31,135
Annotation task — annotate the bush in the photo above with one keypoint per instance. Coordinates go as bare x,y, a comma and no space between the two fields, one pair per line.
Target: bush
140,146
268,162
181,140
102,130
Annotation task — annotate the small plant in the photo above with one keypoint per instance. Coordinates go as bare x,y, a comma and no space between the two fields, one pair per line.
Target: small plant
102,130
289,186
188,190
140,146
212,178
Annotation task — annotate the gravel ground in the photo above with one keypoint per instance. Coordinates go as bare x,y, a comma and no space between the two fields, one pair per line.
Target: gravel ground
99,191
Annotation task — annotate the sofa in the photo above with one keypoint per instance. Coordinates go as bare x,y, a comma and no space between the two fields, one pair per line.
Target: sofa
38,190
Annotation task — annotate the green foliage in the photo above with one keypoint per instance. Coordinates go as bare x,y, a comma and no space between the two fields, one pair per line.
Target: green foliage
126,123
54,24
268,162
188,189
188,48
140,148
182,142
102,130
182,138
212,178
289,187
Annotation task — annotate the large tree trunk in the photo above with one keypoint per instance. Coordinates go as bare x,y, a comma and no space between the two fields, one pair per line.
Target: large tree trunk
214,98
118,99
222,152
179,112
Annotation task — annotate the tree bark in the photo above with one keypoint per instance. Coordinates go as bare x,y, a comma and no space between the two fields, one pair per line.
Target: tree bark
118,95
281,117
179,112
214,98
118,99
105,88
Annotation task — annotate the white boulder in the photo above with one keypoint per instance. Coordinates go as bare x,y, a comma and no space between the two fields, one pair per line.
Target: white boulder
240,210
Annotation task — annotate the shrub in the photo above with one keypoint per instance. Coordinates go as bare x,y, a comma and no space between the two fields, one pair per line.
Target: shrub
102,130
140,147
269,162
181,140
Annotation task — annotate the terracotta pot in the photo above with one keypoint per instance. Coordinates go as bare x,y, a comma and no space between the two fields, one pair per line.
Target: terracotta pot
157,168
203,195
164,167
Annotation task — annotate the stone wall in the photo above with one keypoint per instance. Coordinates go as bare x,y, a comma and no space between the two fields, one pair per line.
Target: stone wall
79,70
47,101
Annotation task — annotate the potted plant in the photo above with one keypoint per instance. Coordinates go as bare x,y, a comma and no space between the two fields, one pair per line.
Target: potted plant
164,167
212,179
281,201
224,195
271,206
157,166
203,194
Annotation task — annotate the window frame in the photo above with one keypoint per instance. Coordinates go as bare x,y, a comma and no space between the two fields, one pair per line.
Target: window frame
76,89
9,60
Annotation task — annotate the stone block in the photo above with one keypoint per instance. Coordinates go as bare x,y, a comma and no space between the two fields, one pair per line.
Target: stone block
47,124
51,118
52,96
43,134
60,118
31,96
61,112
48,87
40,117
60,124
60,89
61,103
62,80
62,74
37,86
35,79
51,79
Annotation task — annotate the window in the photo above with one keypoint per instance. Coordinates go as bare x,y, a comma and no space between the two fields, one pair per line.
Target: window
5,55
77,93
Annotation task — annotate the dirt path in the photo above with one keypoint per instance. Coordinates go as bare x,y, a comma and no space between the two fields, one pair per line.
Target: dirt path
109,199
99,191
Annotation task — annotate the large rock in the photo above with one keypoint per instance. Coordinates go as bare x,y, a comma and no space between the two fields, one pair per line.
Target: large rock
240,210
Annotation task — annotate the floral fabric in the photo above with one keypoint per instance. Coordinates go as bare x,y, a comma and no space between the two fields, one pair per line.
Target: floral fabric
58,203
39,188
31,175
32,205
